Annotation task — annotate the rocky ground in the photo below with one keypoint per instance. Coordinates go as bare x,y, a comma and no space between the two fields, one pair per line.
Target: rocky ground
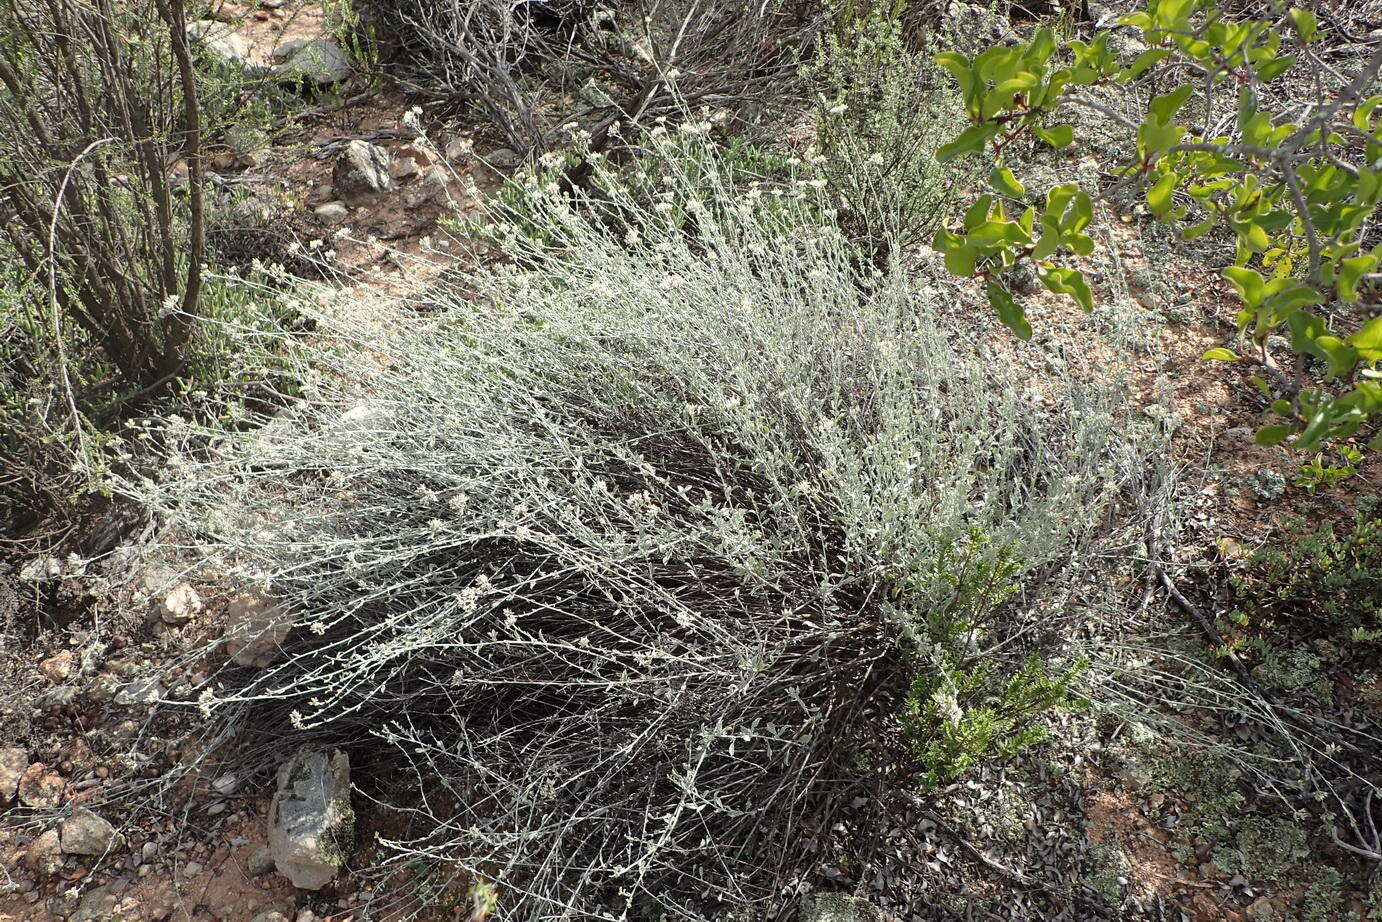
94,639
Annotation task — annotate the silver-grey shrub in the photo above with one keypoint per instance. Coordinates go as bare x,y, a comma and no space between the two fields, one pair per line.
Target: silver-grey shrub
629,551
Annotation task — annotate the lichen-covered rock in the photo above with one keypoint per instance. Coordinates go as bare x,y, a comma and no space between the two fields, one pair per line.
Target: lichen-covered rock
39,787
256,628
311,821
363,168
319,61
103,903
836,907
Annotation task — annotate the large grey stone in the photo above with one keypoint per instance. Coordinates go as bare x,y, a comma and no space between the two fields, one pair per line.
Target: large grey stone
319,61
101,904
311,821
331,213
221,39
363,168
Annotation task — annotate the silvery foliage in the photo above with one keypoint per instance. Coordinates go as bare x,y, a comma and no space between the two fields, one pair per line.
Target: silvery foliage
627,552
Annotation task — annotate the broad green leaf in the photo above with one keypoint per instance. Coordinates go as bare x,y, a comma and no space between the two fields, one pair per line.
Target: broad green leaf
1305,329
1341,356
1350,271
961,260
1159,195
1315,430
1164,107
991,233
1046,245
1362,116
1195,231
957,64
1368,340
1042,46
1274,435
970,141
946,241
1283,296
977,213
1274,68
1143,61
1068,282
1155,136
1306,24
1248,282
1220,354
1003,180
1009,311
1059,136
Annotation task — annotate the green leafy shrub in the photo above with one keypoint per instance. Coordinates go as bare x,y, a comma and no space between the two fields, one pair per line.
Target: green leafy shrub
657,512
1217,149
105,113
1315,592
962,716
882,111
95,105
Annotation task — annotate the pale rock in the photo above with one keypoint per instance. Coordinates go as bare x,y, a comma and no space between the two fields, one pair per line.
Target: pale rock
404,169
363,417
140,692
13,761
410,161
56,698
58,667
261,861
332,213
85,833
179,176
226,784
311,821
102,904
285,50
505,158
221,39
225,12
257,627
41,570
179,606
